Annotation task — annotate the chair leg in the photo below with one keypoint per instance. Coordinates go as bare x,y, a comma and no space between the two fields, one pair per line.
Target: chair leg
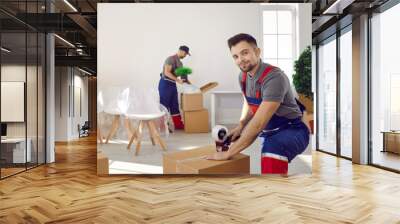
131,139
156,135
133,136
99,136
132,132
128,127
151,133
166,128
139,137
114,128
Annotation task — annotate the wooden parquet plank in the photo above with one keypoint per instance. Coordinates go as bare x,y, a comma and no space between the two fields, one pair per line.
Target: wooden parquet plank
69,191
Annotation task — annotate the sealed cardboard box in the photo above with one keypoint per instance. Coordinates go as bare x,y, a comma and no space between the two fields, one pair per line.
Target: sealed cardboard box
196,121
194,101
102,164
194,162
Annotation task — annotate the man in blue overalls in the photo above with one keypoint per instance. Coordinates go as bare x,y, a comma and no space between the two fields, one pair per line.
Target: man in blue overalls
167,85
270,110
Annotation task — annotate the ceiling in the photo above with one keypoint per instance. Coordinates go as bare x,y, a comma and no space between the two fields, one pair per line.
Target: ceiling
76,22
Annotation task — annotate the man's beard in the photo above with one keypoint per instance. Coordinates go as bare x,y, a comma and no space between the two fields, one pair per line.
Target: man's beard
249,68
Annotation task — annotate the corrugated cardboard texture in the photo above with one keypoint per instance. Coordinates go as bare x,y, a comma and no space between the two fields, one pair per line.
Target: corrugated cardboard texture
208,86
196,121
102,164
392,142
192,101
194,162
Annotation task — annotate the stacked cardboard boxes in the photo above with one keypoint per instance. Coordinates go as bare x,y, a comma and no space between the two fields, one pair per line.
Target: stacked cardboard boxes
195,116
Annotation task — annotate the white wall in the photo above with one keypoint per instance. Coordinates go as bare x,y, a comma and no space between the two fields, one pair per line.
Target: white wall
80,82
12,73
134,54
66,121
61,103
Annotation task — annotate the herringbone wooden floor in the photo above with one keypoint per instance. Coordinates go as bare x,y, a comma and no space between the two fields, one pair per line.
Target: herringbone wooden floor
70,192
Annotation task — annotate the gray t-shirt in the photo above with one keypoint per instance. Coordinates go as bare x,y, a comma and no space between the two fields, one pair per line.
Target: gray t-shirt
275,88
175,62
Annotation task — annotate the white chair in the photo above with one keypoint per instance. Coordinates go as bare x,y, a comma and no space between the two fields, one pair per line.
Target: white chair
145,108
113,101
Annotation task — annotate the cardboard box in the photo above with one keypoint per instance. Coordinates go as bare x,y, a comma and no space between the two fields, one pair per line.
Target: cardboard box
194,101
196,121
194,162
208,86
392,142
102,164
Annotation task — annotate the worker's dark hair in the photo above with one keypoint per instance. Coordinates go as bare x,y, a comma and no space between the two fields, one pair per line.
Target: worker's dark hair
241,37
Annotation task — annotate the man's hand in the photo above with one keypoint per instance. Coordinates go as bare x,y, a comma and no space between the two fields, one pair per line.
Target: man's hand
235,133
219,156
179,81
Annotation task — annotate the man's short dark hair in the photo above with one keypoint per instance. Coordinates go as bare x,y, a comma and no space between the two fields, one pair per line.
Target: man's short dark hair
241,37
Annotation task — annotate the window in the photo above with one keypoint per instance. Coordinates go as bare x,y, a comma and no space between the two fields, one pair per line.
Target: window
327,129
385,89
22,72
279,39
346,93
334,128
394,102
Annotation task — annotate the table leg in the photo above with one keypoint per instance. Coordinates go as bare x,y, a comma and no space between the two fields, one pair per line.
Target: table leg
212,110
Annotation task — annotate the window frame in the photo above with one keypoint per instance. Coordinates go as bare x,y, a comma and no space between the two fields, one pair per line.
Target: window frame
293,10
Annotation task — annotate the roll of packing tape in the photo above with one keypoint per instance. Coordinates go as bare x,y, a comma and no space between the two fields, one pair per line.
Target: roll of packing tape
219,133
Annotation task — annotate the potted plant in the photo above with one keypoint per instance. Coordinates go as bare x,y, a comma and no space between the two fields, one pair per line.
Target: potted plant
302,79
302,83
183,71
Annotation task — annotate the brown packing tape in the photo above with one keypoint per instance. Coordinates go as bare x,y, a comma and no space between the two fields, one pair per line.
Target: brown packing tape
181,168
208,86
239,164
191,159
195,152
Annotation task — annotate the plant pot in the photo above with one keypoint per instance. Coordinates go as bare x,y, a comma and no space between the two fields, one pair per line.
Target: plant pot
307,102
311,123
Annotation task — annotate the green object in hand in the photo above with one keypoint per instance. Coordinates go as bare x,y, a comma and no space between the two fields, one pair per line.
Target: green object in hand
181,71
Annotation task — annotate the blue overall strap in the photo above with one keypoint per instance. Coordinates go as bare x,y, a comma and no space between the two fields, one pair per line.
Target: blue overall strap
252,101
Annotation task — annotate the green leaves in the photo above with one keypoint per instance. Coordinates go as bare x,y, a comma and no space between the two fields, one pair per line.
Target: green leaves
183,71
302,76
